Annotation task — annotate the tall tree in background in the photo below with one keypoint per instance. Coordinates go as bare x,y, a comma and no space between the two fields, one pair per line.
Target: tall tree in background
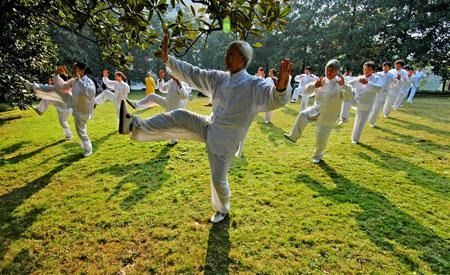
117,26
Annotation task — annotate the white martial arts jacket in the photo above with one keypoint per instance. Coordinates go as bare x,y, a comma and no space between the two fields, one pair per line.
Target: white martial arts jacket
328,100
236,100
176,97
399,85
386,80
120,88
305,79
417,76
83,94
365,94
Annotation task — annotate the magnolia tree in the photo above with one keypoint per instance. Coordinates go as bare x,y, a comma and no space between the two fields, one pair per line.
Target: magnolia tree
116,25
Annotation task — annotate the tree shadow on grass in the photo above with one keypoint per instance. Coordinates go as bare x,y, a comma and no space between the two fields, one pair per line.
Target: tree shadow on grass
25,156
147,177
415,126
427,146
12,226
217,257
387,226
12,148
416,174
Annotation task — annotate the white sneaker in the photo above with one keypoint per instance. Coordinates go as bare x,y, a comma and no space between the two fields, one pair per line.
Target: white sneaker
354,141
372,125
409,101
125,119
316,160
217,217
88,153
340,122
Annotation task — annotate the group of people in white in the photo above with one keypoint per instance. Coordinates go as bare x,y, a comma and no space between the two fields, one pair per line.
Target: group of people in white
236,97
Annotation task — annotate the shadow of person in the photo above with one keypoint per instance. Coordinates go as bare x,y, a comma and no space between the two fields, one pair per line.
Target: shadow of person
387,226
147,177
13,226
290,111
427,146
417,127
25,156
418,175
274,133
13,147
217,257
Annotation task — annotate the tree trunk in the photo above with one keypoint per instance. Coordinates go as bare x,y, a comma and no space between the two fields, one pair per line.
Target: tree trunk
444,81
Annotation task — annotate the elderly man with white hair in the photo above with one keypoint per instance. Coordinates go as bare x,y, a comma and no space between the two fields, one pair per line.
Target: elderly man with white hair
330,92
236,98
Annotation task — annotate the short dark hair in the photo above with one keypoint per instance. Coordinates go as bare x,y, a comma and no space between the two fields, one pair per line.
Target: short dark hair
370,64
387,63
80,65
308,68
124,78
400,62
274,72
408,68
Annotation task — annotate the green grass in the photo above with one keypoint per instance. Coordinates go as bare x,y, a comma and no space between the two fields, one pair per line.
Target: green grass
381,207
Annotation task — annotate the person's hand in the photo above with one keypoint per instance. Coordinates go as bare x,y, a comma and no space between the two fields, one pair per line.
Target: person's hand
285,72
105,73
399,76
363,80
320,82
162,74
165,49
341,80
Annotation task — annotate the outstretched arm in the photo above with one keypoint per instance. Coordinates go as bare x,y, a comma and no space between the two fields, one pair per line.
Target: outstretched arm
203,80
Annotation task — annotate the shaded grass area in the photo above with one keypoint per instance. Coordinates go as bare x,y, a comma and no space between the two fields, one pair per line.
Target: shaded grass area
143,208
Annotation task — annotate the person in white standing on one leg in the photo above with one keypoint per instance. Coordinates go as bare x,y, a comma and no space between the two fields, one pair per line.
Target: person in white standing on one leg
236,96
396,89
386,80
345,107
365,88
261,74
83,100
177,97
55,94
119,86
330,92
416,78
303,80
270,80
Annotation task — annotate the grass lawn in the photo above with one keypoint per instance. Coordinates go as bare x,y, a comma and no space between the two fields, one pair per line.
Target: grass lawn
381,207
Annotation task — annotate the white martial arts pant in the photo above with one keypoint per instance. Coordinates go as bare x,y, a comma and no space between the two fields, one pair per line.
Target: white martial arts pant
191,126
295,94
360,121
63,114
322,131
80,125
268,117
107,95
401,96
152,100
413,93
345,111
390,100
377,106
